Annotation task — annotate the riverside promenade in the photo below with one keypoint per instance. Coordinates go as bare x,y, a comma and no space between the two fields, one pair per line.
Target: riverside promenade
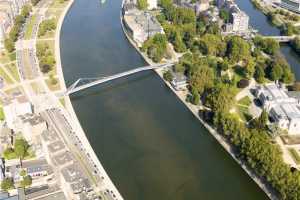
106,183
195,111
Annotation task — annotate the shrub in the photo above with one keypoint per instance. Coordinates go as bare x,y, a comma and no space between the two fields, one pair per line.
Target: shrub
243,83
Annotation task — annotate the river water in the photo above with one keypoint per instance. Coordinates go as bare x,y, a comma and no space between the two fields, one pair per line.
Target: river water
150,144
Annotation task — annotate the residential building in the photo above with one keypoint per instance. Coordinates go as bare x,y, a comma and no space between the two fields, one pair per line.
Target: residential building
37,168
240,21
282,109
293,5
141,25
179,81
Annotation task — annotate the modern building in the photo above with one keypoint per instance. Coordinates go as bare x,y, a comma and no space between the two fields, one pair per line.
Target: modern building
37,168
293,5
141,25
282,109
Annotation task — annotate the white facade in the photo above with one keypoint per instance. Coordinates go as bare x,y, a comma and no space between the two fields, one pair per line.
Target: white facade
152,4
293,5
16,108
284,110
201,6
240,21
141,26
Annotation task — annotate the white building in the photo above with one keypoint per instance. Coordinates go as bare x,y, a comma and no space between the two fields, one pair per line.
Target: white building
293,5
141,25
19,106
152,4
284,110
201,6
179,81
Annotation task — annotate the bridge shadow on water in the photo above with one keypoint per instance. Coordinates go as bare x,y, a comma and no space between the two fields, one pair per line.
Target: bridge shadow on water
119,83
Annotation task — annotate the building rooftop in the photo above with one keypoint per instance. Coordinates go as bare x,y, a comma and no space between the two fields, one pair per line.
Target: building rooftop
56,146
63,158
49,136
72,173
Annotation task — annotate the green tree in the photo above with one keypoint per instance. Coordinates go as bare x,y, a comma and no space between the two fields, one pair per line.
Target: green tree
224,14
7,184
220,99
9,45
156,47
212,45
142,4
287,76
27,181
249,68
276,72
262,121
238,49
259,74
179,46
202,79
168,76
21,147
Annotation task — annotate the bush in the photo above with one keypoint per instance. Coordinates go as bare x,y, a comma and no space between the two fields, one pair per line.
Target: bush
296,86
243,83
9,45
168,76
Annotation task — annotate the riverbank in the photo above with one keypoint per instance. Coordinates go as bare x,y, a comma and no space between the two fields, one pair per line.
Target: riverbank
107,182
225,144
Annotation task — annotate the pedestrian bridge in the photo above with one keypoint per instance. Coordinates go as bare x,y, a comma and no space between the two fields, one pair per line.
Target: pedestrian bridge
84,83
281,38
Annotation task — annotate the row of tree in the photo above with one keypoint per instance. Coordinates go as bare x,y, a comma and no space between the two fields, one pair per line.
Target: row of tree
19,21
47,25
45,56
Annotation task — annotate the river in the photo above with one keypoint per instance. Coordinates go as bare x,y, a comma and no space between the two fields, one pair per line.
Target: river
150,144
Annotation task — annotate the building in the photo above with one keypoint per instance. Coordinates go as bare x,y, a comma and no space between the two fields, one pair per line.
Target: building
240,21
282,109
293,5
32,126
201,6
37,168
141,25
179,81
220,3
15,108
152,4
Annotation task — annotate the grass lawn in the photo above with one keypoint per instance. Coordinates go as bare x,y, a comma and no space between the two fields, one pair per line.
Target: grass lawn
36,87
29,27
294,155
243,112
27,65
62,101
52,86
58,4
51,13
6,78
6,57
48,34
246,101
12,68
2,116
